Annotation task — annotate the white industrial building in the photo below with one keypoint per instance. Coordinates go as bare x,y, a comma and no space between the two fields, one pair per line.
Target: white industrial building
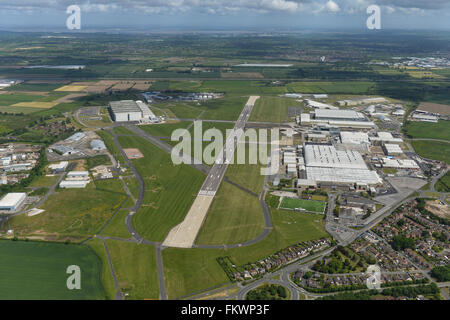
319,105
69,184
327,156
343,175
98,145
400,163
129,110
354,140
76,137
78,175
337,118
326,164
392,149
385,137
425,117
59,167
12,201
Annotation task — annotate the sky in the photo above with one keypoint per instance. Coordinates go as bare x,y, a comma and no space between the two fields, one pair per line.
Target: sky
269,15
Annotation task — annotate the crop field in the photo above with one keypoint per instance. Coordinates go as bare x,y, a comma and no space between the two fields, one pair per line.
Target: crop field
234,217
432,150
71,88
135,267
427,130
8,99
36,270
307,205
36,104
272,109
170,189
72,213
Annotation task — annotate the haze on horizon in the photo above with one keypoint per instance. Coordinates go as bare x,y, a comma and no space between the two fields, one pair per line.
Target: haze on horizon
214,15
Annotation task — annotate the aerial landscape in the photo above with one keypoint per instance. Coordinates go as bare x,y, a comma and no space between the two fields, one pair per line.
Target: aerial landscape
239,164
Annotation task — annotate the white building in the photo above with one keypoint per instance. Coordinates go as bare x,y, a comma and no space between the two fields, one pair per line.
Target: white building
392,149
59,167
69,184
125,110
12,201
319,105
78,175
98,145
327,156
400,164
385,137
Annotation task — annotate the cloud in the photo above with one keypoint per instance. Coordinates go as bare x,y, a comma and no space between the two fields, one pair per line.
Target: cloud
332,6
224,6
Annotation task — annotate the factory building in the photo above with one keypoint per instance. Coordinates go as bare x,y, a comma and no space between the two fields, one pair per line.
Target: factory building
76,137
59,167
354,140
12,201
319,105
98,145
325,164
392,149
336,118
129,110
69,184
399,163
77,175
385,137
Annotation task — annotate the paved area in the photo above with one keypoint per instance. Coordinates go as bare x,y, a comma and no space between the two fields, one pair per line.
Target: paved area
184,234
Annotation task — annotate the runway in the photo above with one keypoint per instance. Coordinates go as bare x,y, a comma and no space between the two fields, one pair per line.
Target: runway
184,234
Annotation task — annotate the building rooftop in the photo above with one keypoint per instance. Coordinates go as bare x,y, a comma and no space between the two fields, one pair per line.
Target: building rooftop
328,157
342,175
339,114
11,199
124,106
354,137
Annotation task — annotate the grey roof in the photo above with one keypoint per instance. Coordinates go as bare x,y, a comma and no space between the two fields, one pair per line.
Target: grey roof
124,106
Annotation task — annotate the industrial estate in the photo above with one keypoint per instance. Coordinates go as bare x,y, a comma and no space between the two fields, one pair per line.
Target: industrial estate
360,176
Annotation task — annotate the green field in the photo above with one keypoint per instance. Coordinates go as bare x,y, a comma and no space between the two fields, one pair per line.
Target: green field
307,205
135,268
24,110
440,130
10,99
190,270
170,189
272,109
72,213
44,181
234,217
341,87
432,150
36,270
116,227
165,129
107,279
443,185
227,108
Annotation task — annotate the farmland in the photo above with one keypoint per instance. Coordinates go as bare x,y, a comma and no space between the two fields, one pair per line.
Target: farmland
432,150
427,130
37,270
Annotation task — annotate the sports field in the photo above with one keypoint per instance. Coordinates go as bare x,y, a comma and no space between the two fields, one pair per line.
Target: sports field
307,205
37,270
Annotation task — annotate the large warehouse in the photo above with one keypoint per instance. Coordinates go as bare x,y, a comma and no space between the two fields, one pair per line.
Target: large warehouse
12,201
129,110
326,164
326,156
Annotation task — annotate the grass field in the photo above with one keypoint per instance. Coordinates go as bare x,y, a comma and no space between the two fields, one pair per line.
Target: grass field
182,110
443,185
72,213
308,205
227,108
272,109
234,217
116,227
170,189
7,99
24,110
44,181
106,274
190,270
343,87
36,270
135,268
70,88
440,130
432,150
165,129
